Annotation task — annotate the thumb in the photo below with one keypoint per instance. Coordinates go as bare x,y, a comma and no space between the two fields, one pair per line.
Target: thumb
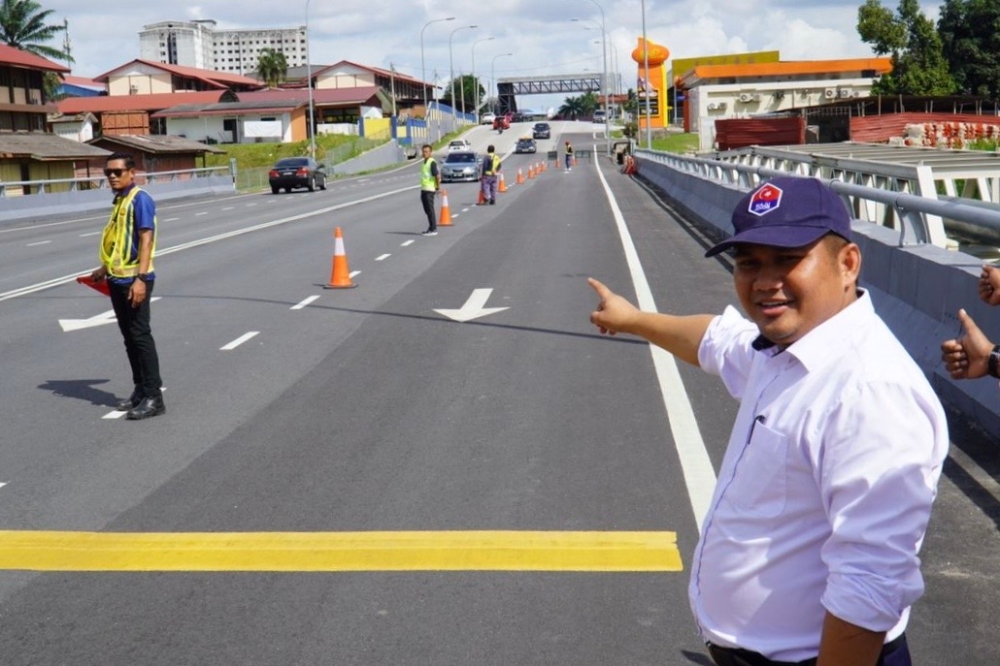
967,322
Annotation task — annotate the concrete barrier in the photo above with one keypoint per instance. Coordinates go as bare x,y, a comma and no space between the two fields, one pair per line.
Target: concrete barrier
59,203
377,158
916,289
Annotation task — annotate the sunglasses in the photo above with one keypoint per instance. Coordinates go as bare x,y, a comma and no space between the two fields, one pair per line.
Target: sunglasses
116,172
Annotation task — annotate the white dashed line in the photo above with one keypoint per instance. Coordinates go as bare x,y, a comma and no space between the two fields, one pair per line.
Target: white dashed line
382,257
240,340
39,243
407,243
354,274
229,207
251,205
304,303
201,213
92,233
171,219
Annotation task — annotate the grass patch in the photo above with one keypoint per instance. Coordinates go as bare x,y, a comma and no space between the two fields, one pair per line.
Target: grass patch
676,143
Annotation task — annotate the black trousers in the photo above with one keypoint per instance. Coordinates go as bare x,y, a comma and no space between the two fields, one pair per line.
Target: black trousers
138,336
894,653
427,199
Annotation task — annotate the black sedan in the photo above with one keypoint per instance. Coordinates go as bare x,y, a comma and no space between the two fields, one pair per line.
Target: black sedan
541,131
293,172
526,146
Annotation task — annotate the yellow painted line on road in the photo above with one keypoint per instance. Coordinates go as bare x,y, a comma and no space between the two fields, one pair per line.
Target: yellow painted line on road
340,551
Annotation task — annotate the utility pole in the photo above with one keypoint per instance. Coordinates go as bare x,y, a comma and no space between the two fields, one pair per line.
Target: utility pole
392,86
66,44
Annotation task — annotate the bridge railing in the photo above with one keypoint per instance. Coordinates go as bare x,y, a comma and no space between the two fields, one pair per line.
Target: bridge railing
81,183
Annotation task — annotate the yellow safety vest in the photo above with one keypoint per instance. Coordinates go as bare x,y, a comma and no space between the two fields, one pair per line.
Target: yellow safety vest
494,165
428,182
117,253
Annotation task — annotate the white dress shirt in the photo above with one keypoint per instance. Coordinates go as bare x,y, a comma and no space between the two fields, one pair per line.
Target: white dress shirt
826,487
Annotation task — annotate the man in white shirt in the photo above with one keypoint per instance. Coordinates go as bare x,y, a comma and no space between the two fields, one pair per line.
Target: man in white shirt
808,554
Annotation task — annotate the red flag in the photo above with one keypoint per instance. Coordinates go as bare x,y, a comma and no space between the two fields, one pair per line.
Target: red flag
101,286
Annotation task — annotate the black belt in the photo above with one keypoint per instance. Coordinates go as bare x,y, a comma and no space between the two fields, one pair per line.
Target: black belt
724,656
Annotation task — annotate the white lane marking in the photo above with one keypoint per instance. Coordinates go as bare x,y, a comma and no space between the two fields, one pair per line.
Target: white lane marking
240,340
354,274
201,213
92,233
407,243
699,475
455,216
2,484
171,219
229,207
69,325
114,414
382,257
39,243
251,205
55,282
304,303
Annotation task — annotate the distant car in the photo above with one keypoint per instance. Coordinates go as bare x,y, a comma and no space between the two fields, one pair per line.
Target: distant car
459,145
518,117
526,146
541,131
294,172
459,166
501,122
599,116
487,118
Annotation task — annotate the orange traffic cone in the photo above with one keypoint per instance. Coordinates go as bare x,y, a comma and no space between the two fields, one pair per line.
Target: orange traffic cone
531,171
557,163
520,178
340,276
503,184
482,197
544,165
445,210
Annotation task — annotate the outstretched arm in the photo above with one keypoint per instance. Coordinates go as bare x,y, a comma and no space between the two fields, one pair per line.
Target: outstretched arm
681,336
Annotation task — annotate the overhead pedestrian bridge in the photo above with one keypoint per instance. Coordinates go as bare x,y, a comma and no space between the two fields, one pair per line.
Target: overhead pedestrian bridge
508,88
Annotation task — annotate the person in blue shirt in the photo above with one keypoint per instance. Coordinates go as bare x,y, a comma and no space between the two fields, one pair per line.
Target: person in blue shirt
128,246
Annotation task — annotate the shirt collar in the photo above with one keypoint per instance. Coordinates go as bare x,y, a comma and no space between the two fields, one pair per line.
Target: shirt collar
813,348
125,191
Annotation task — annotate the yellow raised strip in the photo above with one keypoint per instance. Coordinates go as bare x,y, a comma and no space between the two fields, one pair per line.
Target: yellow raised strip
340,551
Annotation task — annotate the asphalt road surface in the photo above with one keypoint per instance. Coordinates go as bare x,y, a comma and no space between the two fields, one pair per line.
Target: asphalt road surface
444,465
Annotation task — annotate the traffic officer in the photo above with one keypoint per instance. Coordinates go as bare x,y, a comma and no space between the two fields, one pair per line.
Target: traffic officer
489,179
128,245
430,183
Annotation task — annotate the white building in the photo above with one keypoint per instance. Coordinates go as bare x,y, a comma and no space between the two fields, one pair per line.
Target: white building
199,44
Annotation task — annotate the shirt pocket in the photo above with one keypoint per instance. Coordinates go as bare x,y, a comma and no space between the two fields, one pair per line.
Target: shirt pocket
759,485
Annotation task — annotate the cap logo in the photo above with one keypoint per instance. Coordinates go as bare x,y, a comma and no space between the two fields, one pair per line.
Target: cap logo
764,200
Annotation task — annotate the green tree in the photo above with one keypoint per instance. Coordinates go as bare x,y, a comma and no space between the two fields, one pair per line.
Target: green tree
465,93
589,103
970,40
272,67
571,108
23,26
918,64
632,102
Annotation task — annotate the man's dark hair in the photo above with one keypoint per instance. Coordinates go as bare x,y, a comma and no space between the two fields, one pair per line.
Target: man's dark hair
490,149
426,145
126,157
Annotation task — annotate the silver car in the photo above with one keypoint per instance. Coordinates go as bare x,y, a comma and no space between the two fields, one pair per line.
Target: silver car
460,165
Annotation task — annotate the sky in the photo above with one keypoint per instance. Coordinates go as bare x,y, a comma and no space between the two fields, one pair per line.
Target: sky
539,33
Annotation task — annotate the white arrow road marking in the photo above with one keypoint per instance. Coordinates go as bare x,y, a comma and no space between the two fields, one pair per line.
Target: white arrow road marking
473,308
69,325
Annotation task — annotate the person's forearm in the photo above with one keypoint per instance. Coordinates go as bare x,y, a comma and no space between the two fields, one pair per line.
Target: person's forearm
681,336
846,644
145,250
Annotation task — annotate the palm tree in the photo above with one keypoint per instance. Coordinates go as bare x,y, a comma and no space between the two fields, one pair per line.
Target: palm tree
272,67
22,25
571,107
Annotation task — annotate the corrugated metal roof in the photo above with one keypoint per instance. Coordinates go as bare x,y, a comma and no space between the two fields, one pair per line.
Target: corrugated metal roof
224,108
157,144
106,103
12,56
45,147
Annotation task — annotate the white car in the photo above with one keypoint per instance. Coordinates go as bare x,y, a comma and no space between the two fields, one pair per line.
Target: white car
487,118
459,145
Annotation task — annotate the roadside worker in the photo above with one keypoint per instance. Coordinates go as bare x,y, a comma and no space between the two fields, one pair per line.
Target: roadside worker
569,156
808,553
128,245
490,179
430,183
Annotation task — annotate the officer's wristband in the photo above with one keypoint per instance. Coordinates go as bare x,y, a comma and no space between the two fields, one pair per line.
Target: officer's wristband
993,363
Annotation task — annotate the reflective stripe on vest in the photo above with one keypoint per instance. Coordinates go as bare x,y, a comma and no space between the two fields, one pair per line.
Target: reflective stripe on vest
117,253
494,165
427,180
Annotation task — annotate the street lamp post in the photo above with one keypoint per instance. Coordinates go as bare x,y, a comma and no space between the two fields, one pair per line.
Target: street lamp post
311,124
493,74
645,58
604,81
423,71
475,81
451,66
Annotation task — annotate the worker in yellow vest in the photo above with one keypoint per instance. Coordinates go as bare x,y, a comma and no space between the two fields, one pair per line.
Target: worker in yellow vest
490,177
430,183
127,249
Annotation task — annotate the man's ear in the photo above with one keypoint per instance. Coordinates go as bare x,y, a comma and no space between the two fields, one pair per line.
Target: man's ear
849,260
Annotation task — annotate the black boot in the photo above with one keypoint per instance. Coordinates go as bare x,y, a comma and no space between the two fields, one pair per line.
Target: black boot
148,408
130,402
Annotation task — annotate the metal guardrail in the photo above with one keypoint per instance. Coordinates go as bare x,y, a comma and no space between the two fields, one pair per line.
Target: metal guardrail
919,219
55,185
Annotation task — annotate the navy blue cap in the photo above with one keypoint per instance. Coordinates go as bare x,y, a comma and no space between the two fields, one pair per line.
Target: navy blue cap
787,212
